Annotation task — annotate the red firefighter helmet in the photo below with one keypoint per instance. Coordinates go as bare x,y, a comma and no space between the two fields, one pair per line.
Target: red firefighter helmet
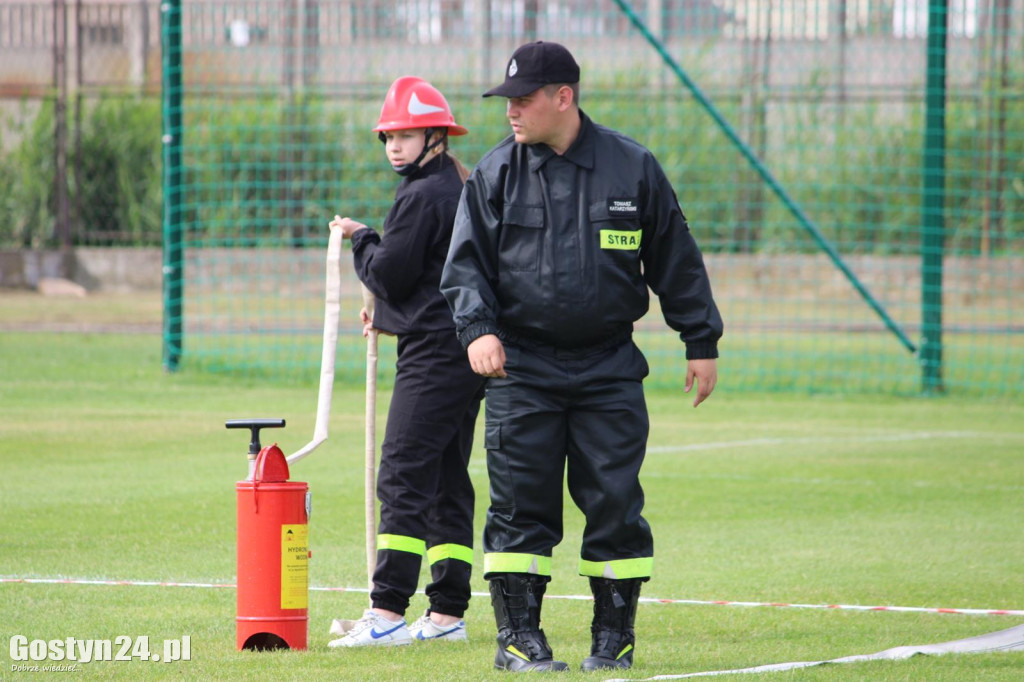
412,102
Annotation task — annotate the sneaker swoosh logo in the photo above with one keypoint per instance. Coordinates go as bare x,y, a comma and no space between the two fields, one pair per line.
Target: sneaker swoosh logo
418,108
456,628
377,635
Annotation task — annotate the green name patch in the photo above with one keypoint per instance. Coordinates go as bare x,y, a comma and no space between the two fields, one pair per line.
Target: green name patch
620,239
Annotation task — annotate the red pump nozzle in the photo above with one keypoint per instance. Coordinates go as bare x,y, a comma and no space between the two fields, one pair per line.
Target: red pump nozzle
271,466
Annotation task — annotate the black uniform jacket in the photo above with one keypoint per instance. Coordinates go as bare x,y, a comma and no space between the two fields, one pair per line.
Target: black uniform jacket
403,270
561,250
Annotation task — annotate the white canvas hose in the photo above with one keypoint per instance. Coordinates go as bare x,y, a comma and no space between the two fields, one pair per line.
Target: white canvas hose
1011,639
332,310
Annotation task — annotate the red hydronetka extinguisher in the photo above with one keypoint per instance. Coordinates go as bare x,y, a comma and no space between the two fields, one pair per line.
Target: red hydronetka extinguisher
273,548
273,512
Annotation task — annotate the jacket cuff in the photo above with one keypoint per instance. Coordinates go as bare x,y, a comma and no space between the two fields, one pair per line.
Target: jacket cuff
363,235
475,330
702,350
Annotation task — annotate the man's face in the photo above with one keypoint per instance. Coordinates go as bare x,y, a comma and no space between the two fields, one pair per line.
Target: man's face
534,117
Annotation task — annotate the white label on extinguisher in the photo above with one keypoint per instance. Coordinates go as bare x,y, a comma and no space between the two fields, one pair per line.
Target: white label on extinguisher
295,566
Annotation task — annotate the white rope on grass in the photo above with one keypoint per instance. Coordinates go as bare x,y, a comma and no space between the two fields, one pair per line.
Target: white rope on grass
578,597
823,607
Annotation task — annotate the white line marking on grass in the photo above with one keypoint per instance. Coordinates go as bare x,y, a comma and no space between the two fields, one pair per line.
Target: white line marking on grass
579,597
843,482
843,607
111,583
897,437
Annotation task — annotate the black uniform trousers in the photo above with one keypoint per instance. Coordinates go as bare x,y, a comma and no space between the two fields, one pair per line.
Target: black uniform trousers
584,410
426,496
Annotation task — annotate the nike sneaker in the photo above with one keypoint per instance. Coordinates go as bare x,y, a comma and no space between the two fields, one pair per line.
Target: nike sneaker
374,630
425,629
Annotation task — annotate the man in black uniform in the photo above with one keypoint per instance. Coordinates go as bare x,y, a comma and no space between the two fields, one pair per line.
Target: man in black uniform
561,229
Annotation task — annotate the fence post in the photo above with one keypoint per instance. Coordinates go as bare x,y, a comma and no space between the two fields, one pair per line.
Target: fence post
62,228
933,198
170,35
77,171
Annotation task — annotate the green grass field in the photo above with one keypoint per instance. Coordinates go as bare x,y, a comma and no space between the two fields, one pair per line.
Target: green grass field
113,470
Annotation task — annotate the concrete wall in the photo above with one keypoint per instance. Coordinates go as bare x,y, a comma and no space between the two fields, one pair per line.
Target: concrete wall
794,277
108,269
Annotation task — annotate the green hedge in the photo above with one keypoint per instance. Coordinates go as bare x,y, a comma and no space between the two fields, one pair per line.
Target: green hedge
113,175
117,190
270,170
26,179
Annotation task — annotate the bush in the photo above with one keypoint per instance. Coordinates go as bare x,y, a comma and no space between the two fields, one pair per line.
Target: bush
269,170
27,180
117,192
114,182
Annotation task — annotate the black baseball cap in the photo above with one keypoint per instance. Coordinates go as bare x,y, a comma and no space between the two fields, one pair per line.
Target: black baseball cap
535,65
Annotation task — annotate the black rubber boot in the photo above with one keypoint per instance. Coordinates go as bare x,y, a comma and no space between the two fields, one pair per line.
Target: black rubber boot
612,629
522,646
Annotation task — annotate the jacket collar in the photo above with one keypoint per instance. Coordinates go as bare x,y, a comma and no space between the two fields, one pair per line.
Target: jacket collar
435,165
580,152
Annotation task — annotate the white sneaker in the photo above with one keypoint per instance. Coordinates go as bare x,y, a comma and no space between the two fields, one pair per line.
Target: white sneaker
426,629
374,630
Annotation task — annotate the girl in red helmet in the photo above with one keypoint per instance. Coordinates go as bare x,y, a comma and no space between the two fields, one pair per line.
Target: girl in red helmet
426,497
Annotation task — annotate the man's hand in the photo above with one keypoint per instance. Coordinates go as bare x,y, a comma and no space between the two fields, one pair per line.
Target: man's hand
487,356
347,226
706,374
368,327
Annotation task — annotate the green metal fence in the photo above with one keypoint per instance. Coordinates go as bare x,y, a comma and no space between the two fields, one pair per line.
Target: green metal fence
853,170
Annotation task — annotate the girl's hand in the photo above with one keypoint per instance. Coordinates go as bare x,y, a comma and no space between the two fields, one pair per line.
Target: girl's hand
347,226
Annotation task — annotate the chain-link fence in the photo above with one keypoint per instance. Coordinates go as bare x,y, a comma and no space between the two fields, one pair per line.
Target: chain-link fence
853,169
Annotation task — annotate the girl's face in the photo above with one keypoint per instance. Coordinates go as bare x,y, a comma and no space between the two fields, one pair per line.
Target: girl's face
404,146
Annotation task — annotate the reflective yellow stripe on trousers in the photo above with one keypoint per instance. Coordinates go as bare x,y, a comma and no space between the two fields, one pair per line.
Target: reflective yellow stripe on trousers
449,551
508,562
401,543
618,569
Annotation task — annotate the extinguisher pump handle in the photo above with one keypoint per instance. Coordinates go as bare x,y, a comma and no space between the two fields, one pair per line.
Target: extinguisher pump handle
254,426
